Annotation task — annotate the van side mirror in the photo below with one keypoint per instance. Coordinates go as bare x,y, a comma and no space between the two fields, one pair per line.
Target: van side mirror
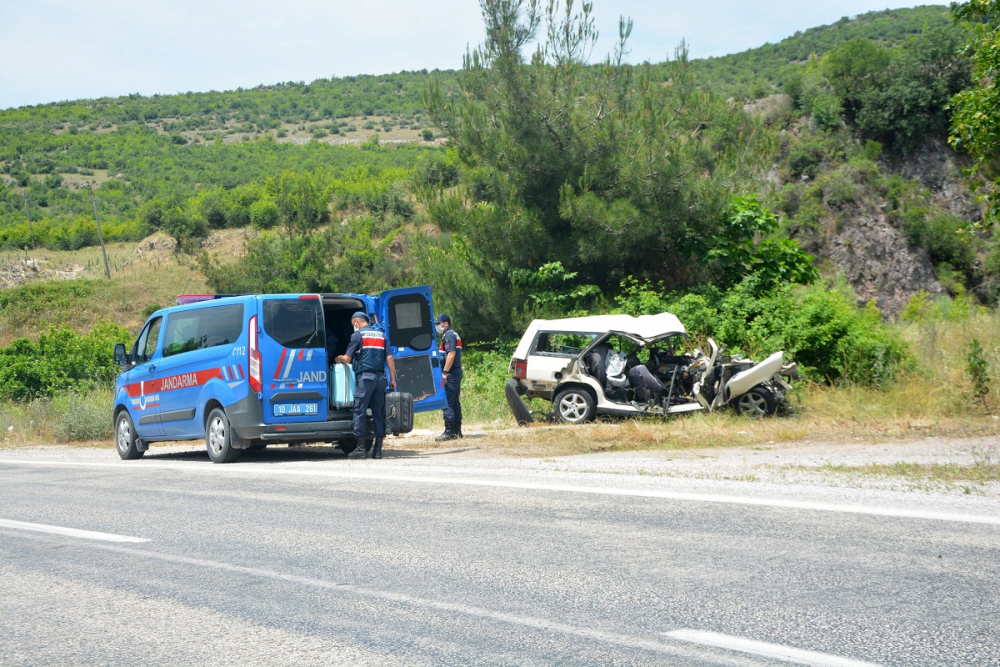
120,358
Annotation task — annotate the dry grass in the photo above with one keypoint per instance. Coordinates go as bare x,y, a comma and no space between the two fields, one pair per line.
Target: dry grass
976,473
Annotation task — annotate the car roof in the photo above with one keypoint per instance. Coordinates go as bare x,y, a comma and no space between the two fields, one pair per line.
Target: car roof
646,327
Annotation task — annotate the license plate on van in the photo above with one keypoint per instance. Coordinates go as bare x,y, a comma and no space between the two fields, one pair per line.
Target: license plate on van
290,409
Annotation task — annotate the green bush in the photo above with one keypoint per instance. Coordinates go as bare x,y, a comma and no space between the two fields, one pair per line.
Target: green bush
826,111
83,416
183,227
484,375
264,213
60,361
978,370
820,326
804,159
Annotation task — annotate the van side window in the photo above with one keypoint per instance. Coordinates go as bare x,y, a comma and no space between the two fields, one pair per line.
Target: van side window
145,346
296,323
198,329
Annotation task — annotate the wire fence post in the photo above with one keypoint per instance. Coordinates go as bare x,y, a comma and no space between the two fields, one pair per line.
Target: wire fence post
100,235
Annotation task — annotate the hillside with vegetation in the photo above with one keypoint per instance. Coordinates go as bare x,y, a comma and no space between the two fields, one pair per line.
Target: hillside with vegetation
799,196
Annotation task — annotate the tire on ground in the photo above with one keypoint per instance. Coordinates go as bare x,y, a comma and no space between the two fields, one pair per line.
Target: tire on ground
757,403
220,440
574,405
126,439
517,406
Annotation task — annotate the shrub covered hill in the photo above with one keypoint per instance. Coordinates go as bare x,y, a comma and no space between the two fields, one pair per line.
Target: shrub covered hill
692,177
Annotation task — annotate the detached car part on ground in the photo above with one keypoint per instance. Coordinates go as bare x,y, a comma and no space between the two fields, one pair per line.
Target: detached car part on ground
629,366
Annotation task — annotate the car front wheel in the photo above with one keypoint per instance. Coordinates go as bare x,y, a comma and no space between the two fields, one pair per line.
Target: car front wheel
757,403
574,406
126,439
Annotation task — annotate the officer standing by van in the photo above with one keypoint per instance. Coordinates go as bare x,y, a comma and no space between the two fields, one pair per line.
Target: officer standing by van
368,352
451,373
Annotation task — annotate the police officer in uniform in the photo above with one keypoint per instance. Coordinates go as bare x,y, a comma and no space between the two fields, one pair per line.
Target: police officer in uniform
368,353
451,348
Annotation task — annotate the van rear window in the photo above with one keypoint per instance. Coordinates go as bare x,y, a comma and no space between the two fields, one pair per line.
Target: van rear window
296,323
190,330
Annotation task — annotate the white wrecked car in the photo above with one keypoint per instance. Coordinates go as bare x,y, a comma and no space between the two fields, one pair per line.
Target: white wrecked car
629,366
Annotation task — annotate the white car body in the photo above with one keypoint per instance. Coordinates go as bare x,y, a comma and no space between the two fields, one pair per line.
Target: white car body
542,369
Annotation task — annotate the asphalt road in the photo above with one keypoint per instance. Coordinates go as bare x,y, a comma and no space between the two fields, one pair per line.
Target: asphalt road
297,559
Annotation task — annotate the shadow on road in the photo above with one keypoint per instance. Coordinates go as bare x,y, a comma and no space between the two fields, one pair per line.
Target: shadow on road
285,454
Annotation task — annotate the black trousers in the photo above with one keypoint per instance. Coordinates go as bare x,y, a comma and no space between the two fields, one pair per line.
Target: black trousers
453,392
369,392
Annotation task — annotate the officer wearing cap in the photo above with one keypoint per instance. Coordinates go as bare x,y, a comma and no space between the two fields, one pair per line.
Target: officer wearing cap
368,353
451,348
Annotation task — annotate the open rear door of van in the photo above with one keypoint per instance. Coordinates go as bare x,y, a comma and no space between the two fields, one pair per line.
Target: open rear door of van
407,317
293,359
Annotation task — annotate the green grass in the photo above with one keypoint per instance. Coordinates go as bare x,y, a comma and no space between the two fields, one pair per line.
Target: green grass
69,418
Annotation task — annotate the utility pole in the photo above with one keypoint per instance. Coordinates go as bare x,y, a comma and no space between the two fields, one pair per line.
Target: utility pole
100,235
27,211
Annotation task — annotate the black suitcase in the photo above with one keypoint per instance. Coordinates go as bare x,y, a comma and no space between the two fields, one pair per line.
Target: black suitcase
398,412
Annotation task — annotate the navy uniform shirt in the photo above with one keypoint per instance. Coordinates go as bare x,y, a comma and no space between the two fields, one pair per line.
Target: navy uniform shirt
452,342
367,350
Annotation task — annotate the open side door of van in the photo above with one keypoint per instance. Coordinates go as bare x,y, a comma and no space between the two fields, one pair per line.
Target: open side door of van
407,316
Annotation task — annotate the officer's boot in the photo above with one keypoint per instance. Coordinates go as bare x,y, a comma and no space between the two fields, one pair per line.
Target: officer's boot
377,449
447,429
359,448
449,433
458,429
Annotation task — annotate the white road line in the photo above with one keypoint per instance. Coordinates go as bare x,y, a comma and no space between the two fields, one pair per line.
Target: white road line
68,532
531,486
654,645
765,650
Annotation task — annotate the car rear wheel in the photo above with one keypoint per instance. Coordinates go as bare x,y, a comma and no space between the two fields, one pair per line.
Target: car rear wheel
220,439
574,406
126,439
757,403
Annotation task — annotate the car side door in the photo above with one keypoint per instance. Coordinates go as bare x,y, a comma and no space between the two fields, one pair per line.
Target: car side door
142,382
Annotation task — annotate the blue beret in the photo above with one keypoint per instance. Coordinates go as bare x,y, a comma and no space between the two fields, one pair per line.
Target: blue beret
361,315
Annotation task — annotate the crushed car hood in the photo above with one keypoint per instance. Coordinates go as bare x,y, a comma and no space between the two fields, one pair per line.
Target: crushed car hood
645,327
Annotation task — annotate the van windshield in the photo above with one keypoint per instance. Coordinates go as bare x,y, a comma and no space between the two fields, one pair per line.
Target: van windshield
296,323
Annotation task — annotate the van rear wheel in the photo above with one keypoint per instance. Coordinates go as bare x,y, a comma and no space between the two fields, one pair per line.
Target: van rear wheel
220,439
126,439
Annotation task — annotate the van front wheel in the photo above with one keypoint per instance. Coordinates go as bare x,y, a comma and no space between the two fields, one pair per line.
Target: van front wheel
126,439
219,438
